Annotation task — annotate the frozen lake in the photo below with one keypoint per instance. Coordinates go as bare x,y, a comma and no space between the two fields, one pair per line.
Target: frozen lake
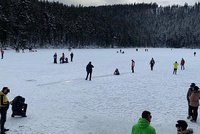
61,101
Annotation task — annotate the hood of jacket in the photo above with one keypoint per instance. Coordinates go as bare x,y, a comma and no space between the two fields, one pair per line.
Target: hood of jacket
143,123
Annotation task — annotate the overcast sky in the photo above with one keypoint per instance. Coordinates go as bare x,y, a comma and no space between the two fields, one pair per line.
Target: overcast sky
111,2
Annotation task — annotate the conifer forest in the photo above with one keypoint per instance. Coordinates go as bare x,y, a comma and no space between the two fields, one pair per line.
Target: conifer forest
43,24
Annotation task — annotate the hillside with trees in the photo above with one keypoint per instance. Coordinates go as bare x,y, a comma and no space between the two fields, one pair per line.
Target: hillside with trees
25,23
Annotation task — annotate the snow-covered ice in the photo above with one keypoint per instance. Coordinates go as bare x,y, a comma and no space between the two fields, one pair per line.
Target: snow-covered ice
61,101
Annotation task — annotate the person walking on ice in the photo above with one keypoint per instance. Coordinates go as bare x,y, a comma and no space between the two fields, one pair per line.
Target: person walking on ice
132,66
2,53
71,56
152,63
89,68
175,67
182,64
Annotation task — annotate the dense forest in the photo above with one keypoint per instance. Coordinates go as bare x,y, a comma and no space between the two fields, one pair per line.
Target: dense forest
25,23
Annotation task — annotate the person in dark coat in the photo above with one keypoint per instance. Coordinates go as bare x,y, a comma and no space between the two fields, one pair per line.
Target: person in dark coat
19,106
116,72
66,60
194,53
152,63
132,66
4,105
71,55
63,58
89,68
55,58
2,53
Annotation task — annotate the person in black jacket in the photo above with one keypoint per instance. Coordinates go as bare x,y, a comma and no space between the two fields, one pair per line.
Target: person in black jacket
71,55
55,58
89,70
152,62
19,106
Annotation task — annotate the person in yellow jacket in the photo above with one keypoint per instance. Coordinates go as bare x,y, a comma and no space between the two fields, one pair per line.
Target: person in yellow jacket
175,67
4,105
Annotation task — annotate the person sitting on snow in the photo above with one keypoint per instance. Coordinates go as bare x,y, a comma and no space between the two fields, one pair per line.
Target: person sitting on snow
116,72
19,106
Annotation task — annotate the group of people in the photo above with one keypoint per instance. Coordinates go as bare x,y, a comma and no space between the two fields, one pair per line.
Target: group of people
18,107
63,59
182,63
193,95
143,125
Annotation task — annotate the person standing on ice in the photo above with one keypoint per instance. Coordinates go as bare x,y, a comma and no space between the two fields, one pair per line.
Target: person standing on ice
2,53
194,53
189,92
4,105
132,66
71,56
55,58
152,63
89,68
182,64
63,58
175,67
143,126
194,103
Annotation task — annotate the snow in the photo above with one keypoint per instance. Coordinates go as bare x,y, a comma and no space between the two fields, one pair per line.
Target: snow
61,101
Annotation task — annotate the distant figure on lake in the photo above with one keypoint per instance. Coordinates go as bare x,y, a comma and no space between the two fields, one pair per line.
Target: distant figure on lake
89,68
55,58
2,53
71,56
132,66
116,72
152,63
182,64
66,60
63,58
195,53
175,67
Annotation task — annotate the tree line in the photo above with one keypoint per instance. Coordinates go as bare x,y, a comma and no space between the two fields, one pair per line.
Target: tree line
25,23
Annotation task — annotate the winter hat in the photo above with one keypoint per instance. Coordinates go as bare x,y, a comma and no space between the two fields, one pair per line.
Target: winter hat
192,85
196,88
183,124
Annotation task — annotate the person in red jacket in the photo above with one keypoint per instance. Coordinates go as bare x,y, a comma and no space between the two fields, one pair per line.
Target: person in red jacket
182,64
